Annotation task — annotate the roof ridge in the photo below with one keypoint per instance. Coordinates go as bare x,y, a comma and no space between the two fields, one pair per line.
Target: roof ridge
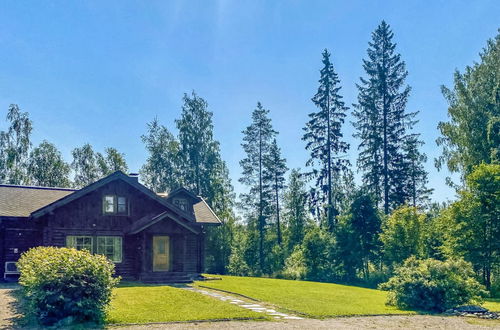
36,187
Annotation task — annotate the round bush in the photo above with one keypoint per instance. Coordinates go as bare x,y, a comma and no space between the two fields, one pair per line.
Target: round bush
433,285
66,285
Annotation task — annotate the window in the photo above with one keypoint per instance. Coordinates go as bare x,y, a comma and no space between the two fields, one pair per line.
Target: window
112,204
109,204
181,203
111,247
79,242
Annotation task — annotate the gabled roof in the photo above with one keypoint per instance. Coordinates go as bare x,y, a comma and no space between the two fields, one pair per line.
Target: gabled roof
149,220
118,175
21,201
203,213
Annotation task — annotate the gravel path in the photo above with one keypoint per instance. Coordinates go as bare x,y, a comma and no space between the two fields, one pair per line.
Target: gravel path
350,323
7,309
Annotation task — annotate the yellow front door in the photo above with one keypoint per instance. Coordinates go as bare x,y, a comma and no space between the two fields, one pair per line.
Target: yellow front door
161,253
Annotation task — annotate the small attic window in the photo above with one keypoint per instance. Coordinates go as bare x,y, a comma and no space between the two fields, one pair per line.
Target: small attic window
181,203
112,204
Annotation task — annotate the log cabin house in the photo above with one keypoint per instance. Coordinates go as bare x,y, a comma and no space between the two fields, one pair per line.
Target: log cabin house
150,237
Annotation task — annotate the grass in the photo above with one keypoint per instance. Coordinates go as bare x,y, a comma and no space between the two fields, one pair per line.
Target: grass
312,298
145,304
492,304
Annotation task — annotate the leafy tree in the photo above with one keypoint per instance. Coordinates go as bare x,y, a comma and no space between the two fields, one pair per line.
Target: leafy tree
257,142
474,221
85,165
324,137
358,236
275,169
382,122
319,250
402,235
161,173
296,215
470,137
112,161
204,172
47,168
14,147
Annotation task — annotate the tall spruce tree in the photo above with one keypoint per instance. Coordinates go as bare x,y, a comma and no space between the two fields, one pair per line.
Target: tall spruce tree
382,122
257,142
417,192
275,169
324,137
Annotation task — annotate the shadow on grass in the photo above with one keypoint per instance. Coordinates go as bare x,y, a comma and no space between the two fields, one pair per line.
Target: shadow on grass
133,284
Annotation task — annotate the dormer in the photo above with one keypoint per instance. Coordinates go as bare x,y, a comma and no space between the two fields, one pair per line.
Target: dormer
183,199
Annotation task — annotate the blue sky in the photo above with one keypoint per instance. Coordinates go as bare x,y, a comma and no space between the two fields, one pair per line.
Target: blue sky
98,71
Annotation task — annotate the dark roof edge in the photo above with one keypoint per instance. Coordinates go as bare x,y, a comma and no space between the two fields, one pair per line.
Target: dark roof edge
36,187
160,217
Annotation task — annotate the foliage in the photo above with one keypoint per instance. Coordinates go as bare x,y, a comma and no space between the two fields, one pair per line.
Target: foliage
257,141
274,179
469,137
433,285
296,215
318,248
402,235
161,172
65,285
382,125
14,147
138,303
111,161
320,300
295,265
473,226
47,168
323,138
358,237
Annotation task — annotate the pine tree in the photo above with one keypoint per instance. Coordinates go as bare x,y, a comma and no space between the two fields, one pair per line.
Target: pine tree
382,122
324,137
275,169
257,141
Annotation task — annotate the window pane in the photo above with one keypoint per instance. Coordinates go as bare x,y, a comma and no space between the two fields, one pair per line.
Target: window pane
79,242
122,205
109,204
111,247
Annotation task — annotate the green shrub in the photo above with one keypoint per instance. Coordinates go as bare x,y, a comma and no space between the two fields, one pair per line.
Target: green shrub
295,265
433,285
65,286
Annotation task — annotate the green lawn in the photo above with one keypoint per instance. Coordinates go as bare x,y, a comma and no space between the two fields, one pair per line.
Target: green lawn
312,298
143,304
492,304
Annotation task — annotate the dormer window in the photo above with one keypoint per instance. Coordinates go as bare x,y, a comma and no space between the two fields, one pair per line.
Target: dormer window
112,204
181,203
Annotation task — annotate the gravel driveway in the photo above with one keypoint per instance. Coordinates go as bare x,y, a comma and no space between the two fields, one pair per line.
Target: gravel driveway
7,306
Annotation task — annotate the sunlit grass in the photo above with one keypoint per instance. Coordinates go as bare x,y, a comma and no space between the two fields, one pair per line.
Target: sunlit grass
311,298
146,304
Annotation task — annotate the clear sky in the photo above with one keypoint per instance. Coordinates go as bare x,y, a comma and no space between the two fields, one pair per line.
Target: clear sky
98,71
